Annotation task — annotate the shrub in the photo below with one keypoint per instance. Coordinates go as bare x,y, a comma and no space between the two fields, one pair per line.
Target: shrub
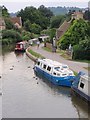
10,37
81,53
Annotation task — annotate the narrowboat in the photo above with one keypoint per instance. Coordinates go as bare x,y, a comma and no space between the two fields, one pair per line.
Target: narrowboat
21,46
81,86
57,73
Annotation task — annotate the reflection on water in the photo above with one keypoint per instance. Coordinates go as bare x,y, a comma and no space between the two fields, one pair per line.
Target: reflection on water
81,106
56,89
7,49
26,95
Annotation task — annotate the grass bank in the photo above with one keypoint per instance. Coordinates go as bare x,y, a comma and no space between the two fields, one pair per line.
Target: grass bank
37,55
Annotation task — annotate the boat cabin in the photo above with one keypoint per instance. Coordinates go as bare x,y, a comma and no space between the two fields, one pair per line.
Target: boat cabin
84,84
54,68
21,46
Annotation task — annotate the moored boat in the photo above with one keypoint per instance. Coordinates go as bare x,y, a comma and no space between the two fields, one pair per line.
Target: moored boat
81,86
21,46
56,72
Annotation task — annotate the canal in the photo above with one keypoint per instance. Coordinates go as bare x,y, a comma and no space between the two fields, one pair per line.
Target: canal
27,96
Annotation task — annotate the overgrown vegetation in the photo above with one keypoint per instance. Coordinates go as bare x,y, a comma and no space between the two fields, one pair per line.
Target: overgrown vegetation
35,19
78,35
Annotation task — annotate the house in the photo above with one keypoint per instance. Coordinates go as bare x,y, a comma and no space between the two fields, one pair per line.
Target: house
62,29
16,21
77,15
2,24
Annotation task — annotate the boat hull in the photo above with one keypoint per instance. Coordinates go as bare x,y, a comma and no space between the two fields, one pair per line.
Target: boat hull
77,92
62,81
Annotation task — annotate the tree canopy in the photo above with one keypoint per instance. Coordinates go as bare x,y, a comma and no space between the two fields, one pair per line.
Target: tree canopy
4,11
56,21
40,16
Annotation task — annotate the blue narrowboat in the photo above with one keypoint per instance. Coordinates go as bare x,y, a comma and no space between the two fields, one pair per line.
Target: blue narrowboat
81,86
56,72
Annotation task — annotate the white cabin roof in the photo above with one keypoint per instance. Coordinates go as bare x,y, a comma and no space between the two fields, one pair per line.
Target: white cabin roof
52,63
85,77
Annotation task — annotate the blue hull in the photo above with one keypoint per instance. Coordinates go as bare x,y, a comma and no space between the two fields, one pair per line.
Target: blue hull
62,81
81,94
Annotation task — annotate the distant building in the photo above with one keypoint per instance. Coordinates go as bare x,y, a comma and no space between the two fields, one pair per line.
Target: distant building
77,15
89,5
16,21
2,24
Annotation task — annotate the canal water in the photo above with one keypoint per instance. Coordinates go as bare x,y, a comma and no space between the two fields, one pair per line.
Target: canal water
27,96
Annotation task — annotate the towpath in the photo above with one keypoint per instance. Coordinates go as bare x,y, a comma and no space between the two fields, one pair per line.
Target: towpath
75,66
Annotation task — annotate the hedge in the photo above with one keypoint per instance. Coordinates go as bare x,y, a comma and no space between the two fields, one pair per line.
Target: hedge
81,54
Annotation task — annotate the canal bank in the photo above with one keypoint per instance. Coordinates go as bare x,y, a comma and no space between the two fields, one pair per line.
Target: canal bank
24,98
75,66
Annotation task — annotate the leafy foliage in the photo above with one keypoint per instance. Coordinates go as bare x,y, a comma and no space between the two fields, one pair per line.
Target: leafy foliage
40,16
82,50
10,36
9,24
4,11
78,31
56,21
45,11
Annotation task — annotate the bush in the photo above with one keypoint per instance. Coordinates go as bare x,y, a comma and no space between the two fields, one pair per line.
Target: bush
10,37
9,24
81,53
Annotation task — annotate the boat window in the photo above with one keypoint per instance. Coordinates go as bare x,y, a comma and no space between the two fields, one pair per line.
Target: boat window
64,66
54,73
44,66
48,68
41,64
58,74
38,63
81,85
57,68
64,74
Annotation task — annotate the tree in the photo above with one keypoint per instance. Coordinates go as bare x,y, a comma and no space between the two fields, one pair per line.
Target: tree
35,28
27,25
5,12
45,11
56,21
9,24
34,16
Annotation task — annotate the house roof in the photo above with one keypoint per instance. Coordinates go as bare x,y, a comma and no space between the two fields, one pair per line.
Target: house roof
16,20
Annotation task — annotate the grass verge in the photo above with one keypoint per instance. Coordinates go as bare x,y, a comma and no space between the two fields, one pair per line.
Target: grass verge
36,54
47,49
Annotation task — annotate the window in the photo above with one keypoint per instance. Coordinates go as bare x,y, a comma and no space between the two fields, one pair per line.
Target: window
81,85
38,63
58,74
64,66
54,73
57,68
44,66
48,68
